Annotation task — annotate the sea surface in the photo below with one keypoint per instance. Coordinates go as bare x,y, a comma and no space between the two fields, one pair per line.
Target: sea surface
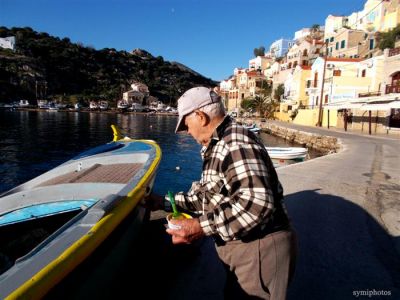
33,142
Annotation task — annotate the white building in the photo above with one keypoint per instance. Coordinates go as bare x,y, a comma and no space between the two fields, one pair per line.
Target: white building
8,42
259,63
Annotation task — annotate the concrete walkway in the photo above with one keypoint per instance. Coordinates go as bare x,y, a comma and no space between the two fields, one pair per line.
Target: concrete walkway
345,208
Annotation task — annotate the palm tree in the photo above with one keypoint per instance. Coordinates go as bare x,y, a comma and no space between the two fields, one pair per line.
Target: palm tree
264,105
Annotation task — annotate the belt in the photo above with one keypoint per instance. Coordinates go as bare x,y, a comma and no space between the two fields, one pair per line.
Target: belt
256,233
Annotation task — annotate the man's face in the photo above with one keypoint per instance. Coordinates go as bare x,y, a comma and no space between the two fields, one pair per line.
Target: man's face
192,122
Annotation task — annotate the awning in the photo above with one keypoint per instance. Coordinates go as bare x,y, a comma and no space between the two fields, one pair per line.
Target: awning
377,106
394,104
350,105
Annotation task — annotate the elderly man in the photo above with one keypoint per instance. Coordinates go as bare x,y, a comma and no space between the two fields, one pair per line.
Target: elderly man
238,200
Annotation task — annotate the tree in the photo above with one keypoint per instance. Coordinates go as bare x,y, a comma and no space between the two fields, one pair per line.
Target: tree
279,91
260,51
315,31
265,106
388,39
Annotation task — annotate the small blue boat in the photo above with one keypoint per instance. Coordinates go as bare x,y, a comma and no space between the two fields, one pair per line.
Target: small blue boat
252,128
51,224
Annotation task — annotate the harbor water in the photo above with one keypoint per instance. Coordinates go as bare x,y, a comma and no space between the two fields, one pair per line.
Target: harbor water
33,142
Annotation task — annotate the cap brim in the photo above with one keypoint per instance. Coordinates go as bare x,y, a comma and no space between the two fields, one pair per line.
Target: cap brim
181,125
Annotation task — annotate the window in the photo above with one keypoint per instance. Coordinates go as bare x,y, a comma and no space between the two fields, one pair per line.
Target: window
295,64
326,40
342,44
337,46
337,72
363,73
305,53
316,101
326,99
331,39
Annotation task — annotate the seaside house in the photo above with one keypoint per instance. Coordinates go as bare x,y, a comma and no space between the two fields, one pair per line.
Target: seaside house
280,47
295,95
8,42
341,81
350,43
225,88
137,94
391,71
377,15
260,63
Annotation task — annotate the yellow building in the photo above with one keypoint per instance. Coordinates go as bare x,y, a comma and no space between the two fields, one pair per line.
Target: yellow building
295,87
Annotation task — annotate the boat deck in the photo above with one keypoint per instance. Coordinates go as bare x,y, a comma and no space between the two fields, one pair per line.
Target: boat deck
110,173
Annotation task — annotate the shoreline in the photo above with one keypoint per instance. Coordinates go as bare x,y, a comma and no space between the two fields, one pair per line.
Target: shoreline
87,110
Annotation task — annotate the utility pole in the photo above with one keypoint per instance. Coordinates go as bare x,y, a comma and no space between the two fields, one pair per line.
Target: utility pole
322,87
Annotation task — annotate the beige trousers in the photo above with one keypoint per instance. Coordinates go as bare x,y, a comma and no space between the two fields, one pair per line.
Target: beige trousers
260,269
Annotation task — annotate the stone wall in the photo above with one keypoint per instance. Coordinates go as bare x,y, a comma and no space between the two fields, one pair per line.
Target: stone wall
324,144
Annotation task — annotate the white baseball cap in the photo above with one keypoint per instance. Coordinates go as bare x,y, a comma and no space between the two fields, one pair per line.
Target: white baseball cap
193,99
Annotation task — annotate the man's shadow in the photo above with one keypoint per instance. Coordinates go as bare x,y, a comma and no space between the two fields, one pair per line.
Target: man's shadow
342,250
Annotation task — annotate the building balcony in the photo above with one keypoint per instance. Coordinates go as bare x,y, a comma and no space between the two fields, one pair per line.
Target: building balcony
392,88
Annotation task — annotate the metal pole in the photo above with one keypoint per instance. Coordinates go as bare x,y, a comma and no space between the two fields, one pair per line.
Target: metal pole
328,118
369,122
322,87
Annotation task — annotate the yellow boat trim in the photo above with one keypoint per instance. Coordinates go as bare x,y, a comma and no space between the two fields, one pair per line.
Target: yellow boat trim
37,286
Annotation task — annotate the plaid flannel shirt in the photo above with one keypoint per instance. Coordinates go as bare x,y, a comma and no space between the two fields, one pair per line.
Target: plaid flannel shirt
239,188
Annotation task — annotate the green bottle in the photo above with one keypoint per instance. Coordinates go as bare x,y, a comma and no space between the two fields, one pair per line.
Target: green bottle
175,213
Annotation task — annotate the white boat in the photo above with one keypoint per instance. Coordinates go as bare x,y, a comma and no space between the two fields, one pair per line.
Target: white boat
93,105
52,224
283,156
103,105
122,104
137,107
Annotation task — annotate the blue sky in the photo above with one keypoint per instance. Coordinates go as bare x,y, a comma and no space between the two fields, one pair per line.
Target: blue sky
211,37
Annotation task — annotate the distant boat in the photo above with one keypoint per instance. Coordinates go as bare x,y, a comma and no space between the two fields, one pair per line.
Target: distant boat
93,105
252,128
53,223
122,105
103,105
283,156
23,103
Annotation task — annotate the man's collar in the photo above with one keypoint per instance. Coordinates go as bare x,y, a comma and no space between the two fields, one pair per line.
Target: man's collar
219,131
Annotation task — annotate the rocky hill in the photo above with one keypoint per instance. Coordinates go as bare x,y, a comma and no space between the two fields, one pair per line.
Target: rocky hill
44,66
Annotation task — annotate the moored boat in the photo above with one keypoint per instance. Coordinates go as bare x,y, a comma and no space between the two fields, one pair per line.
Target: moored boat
252,128
282,156
51,224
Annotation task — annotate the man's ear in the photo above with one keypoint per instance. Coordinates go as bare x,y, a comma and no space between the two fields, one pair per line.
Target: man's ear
204,118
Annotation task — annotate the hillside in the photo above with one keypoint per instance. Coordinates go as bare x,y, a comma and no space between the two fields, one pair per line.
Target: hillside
56,68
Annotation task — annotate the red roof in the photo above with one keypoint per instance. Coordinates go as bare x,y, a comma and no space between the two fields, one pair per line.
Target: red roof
306,67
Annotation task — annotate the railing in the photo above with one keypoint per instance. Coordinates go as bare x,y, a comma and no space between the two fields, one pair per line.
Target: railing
393,52
392,89
369,94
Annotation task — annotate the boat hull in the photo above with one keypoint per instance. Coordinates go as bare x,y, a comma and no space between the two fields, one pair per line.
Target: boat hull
283,156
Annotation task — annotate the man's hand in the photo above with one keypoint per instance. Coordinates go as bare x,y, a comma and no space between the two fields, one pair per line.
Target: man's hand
189,232
154,202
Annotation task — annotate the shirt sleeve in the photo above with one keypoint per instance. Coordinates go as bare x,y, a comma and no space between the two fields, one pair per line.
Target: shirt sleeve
192,200
250,200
